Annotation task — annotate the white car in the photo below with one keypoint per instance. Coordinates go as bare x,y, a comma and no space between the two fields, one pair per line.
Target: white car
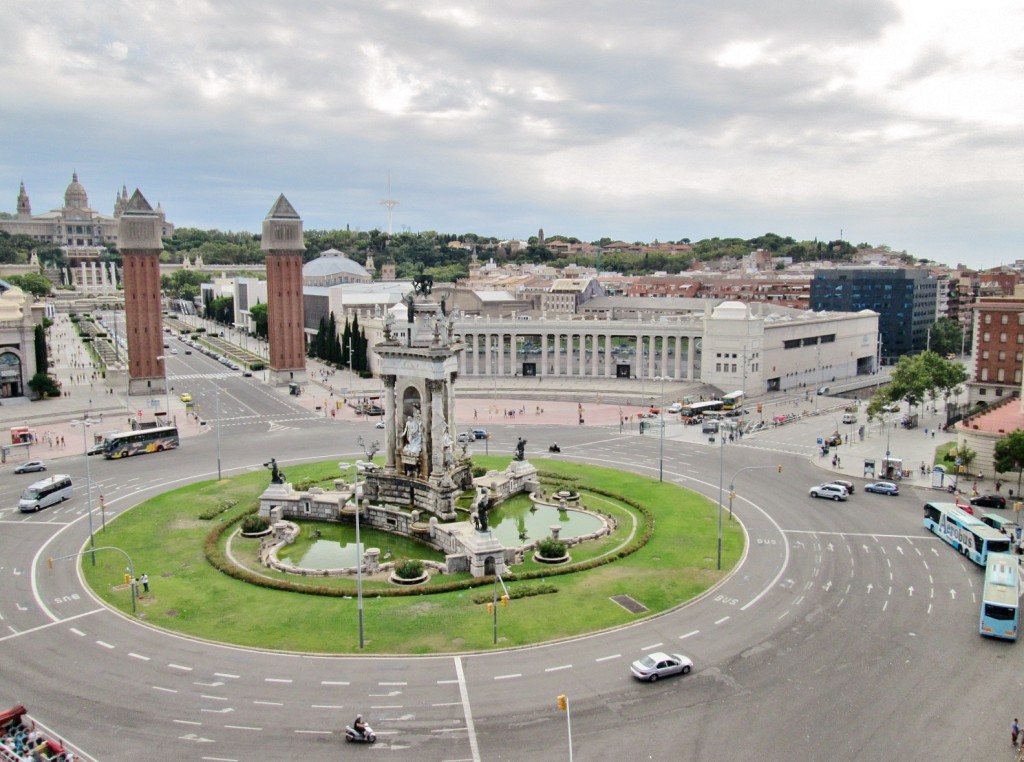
834,491
379,425
659,664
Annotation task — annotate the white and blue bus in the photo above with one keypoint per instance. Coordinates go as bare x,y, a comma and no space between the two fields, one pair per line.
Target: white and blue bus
140,442
1000,602
968,534
46,492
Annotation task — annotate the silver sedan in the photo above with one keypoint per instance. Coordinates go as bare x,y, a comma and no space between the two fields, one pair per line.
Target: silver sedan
658,664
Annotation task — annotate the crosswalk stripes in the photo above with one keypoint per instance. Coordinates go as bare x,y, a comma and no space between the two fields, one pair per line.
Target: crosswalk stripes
275,426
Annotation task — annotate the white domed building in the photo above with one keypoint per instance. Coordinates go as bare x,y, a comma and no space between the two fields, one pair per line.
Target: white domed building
333,267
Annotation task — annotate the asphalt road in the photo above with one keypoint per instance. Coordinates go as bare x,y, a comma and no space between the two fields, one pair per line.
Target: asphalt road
847,632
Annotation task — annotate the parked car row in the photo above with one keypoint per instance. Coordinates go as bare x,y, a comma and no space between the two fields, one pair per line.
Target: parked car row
209,353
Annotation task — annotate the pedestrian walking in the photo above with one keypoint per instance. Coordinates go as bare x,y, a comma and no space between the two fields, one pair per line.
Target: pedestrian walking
1014,732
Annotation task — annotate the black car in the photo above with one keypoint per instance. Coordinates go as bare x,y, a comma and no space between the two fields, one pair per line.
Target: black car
990,500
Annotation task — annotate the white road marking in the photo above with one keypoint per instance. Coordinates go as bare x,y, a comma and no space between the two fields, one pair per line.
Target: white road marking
213,698
241,727
508,677
104,644
327,706
140,657
224,674
187,722
723,619
474,746
179,666
278,680
689,634
333,682
557,669
608,658
78,632
165,690
268,703
648,648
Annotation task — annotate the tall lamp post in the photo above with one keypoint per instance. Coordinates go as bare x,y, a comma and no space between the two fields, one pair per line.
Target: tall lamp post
345,466
721,484
85,423
661,440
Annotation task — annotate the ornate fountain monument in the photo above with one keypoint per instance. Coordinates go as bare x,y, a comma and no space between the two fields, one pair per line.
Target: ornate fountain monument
419,364
417,489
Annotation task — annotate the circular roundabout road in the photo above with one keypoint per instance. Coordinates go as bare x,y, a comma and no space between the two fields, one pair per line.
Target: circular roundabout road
846,632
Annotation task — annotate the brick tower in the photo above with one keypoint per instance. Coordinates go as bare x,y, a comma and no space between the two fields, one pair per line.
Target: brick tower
283,245
138,240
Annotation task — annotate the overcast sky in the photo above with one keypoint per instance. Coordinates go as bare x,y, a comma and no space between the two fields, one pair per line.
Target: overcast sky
895,123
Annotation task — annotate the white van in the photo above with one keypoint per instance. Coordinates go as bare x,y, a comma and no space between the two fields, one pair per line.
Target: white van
849,417
46,492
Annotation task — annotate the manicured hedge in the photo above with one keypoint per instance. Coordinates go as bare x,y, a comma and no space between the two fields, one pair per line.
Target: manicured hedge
216,556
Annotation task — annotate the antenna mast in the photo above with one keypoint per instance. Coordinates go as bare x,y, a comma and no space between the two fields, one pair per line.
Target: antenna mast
389,203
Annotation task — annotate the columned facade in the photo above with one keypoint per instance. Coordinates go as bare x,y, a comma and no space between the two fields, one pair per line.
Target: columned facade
283,244
578,349
138,240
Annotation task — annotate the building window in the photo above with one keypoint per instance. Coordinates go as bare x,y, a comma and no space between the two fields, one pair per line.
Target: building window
1004,319
1002,338
982,391
1000,375
988,320
984,354
999,392
984,374
986,337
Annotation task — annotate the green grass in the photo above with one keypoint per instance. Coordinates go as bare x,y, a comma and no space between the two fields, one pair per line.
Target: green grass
165,539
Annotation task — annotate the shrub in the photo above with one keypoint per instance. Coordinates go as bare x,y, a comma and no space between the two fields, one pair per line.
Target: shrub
254,524
410,568
44,385
217,510
549,547
479,471
257,366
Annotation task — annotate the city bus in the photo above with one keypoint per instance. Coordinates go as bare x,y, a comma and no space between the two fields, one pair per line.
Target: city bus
733,401
140,442
1000,602
696,409
46,492
968,534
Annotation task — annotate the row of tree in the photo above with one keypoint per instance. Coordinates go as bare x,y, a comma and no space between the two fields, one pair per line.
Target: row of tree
349,350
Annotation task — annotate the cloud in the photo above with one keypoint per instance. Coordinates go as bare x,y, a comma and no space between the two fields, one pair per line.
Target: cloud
648,120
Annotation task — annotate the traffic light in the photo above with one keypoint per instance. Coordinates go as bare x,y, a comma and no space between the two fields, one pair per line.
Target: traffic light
504,601
780,468
490,607
563,703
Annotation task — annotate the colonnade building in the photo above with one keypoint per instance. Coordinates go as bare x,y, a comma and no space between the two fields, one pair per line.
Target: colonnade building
730,345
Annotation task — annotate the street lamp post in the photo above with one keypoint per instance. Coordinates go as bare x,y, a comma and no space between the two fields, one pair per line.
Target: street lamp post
85,423
661,440
721,483
345,466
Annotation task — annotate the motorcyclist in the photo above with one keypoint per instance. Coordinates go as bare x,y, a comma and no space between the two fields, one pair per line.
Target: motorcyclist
359,726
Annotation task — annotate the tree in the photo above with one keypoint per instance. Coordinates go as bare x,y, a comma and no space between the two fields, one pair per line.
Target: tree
1009,455
258,313
946,337
32,283
44,385
42,364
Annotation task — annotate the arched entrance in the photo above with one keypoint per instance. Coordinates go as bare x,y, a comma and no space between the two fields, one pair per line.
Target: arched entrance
10,375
